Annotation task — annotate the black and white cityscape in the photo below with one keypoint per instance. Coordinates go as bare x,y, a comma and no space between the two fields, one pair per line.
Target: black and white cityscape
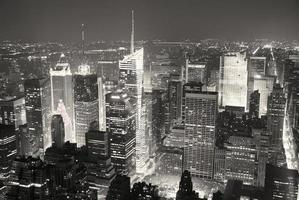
149,100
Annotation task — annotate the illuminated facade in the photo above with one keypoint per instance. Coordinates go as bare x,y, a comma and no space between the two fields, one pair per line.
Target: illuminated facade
199,116
37,92
86,102
12,111
62,97
264,85
240,159
233,80
121,123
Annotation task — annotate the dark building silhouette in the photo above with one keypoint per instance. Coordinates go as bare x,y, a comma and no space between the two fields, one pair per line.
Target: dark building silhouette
236,190
100,171
281,183
30,180
186,191
143,191
254,104
57,129
119,188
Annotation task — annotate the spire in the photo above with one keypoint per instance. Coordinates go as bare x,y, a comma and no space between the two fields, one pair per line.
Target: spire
82,37
132,33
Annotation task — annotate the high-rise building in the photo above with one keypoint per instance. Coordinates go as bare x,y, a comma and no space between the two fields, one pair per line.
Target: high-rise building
275,123
102,104
199,117
8,149
240,159
175,98
37,92
233,80
265,86
121,123
100,171
62,97
281,183
57,129
85,102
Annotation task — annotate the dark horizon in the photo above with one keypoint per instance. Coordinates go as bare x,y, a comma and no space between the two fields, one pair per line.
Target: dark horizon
173,20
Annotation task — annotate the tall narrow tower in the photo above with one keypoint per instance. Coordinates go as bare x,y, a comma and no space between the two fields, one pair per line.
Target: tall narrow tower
132,33
82,38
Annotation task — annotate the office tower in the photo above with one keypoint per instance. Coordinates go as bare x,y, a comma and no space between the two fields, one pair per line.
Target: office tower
281,183
275,123
158,116
57,129
254,104
186,188
196,72
262,143
233,80
265,86
100,172
119,188
29,180
175,98
121,123
199,116
86,102
8,149
62,97
37,92
171,152
13,111
24,141
240,159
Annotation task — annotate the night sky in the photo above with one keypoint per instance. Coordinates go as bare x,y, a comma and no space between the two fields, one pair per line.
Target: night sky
60,20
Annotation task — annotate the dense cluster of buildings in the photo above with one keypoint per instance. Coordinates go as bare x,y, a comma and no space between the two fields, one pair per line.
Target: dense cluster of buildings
98,129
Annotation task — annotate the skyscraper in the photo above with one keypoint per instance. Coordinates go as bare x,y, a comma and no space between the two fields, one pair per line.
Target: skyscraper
86,102
121,123
265,86
240,159
37,92
57,129
100,171
275,123
175,98
233,80
62,97
199,116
